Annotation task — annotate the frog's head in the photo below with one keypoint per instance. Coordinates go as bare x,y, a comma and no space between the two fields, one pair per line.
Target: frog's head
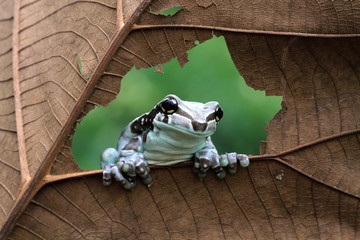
191,117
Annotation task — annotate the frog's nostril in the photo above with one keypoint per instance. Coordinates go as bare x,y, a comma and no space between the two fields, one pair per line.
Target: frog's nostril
201,127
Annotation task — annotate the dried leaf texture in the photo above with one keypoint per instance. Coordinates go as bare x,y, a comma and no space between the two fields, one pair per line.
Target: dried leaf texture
309,17
128,8
10,175
50,79
253,204
47,81
306,186
319,79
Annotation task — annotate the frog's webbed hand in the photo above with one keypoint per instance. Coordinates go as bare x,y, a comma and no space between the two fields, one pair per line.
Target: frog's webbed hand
132,163
124,166
129,165
209,157
206,158
231,159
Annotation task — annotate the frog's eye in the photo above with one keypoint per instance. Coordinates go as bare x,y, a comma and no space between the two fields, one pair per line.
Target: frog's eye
169,106
218,113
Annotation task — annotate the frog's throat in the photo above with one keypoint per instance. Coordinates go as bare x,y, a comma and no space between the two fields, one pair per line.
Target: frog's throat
167,126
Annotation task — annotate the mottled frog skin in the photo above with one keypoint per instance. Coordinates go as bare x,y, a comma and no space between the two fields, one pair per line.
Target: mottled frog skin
173,131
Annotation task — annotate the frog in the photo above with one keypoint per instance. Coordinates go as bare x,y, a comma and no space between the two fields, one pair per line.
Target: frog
174,131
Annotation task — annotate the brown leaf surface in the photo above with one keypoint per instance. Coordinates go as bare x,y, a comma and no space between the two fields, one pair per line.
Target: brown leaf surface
304,185
251,204
10,179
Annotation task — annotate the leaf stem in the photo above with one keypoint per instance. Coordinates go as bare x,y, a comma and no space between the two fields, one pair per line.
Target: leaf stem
54,178
266,157
25,174
226,29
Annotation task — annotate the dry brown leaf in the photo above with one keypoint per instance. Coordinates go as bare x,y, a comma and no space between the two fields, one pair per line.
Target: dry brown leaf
304,185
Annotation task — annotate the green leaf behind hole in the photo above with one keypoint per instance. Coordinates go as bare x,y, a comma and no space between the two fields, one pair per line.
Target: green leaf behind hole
80,68
210,75
168,12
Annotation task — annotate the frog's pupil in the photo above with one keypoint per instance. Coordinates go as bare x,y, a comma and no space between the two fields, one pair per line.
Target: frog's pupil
219,113
169,106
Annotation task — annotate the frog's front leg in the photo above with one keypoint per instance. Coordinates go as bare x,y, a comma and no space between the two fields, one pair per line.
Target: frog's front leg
208,157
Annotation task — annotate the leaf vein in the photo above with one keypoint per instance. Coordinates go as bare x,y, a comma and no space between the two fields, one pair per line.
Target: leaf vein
58,216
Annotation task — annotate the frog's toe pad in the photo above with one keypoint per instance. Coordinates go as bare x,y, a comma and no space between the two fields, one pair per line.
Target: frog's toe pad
106,182
107,176
129,185
147,180
202,175
244,160
221,174
232,170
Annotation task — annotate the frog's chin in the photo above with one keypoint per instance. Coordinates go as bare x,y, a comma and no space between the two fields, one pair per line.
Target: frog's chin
168,127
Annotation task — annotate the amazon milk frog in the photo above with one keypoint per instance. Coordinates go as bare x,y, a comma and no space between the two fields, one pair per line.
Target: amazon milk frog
173,131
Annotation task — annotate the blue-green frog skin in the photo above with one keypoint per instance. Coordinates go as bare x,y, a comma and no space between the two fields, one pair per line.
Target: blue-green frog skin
173,131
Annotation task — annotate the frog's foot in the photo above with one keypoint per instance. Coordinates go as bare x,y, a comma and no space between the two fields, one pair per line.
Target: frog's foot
113,170
133,163
205,159
231,159
124,167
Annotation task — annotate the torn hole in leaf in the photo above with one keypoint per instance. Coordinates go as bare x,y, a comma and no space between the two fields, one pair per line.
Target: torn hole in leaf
209,75
168,12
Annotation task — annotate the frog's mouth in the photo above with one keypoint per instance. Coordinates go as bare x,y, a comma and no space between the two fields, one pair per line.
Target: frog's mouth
169,127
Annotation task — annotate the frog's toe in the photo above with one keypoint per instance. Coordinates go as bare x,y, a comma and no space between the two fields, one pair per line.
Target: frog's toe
106,183
107,176
205,164
202,174
232,159
128,185
220,172
232,169
143,171
141,168
196,166
117,174
243,159
221,175
147,180
127,182
126,166
203,169
106,180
